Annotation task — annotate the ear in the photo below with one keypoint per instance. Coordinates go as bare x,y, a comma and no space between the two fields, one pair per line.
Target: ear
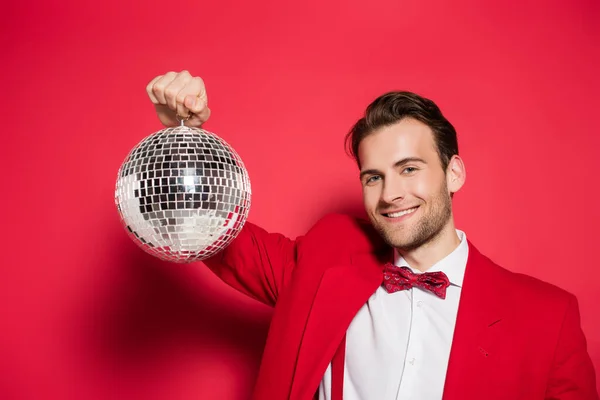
456,174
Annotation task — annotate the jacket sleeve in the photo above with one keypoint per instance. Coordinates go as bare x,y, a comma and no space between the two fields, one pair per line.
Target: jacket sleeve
572,376
256,263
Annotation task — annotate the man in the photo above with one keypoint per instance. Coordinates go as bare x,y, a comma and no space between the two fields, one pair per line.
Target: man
404,307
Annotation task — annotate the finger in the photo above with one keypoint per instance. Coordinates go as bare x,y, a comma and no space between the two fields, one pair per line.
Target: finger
160,85
177,85
198,107
195,87
149,87
199,119
199,89
183,111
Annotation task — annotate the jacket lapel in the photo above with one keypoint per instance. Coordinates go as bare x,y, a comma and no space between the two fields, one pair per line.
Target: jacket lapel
342,291
479,321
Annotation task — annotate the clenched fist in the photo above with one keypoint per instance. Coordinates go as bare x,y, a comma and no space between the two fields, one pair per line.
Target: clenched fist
177,96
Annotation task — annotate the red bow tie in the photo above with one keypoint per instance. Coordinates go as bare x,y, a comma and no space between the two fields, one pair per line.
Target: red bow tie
402,278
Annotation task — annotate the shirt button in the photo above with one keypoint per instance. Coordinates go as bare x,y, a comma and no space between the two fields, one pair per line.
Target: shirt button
419,303
412,361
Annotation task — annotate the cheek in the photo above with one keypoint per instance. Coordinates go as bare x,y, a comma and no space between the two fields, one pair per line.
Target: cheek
421,188
370,197
426,186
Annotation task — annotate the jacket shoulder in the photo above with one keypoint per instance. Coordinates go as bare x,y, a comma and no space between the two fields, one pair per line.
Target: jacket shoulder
340,235
347,228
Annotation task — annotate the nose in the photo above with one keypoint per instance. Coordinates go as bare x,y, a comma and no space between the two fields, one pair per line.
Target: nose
393,189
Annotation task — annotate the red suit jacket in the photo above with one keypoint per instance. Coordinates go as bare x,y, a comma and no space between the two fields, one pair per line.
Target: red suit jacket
515,338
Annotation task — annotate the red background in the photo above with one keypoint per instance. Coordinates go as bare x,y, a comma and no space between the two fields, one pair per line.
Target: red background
86,314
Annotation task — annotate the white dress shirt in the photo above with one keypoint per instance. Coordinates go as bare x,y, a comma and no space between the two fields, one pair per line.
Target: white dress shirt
398,344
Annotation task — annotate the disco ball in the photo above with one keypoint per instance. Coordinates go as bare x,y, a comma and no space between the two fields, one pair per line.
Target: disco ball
183,194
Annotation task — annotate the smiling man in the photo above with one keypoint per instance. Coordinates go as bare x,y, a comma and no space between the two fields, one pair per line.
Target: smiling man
401,306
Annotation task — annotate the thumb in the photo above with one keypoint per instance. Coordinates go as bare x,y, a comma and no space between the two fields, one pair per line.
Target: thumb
196,105
190,102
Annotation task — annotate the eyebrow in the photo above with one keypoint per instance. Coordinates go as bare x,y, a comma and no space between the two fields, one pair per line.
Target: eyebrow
397,164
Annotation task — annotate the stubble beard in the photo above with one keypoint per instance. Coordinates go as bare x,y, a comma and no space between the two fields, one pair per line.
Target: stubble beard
426,230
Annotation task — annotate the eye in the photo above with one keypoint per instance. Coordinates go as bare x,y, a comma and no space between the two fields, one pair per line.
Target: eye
409,170
372,179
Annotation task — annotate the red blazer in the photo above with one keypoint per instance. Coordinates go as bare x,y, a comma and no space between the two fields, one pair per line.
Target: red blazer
515,338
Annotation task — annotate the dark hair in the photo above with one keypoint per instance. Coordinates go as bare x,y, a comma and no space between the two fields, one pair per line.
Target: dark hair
393,107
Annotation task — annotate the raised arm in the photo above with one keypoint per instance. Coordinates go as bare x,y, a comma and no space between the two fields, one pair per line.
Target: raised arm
257,263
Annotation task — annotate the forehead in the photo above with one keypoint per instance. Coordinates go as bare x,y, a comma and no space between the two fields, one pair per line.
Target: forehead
389,144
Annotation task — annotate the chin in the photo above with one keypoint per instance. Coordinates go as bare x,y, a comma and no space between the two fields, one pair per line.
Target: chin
394,239
405,237
400,243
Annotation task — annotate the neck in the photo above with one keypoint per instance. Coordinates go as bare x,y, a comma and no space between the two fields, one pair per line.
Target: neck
428,254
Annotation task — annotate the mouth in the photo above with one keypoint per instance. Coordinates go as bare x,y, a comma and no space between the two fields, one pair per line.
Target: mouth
400,213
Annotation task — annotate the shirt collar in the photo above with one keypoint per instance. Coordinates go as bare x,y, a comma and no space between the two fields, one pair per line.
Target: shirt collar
453,265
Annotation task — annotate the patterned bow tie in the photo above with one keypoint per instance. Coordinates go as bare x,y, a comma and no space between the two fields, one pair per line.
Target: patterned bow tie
402,278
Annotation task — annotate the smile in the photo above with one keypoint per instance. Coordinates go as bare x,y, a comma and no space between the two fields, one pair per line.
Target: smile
401,213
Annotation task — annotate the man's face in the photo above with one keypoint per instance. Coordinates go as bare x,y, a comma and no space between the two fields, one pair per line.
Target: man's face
405,189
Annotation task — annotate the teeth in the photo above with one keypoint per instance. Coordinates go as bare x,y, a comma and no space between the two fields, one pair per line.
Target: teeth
401,213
